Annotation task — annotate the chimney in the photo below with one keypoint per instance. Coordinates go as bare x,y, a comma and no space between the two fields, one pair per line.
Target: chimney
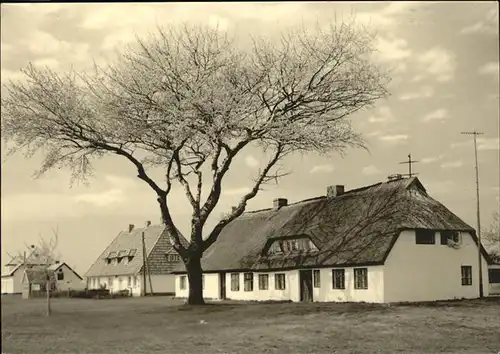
148,223
395,177
233,209
57,262
334,191
279,202
130,227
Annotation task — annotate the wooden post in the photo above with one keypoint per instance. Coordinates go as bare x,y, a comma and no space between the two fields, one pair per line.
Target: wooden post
47,286
143,287
149,276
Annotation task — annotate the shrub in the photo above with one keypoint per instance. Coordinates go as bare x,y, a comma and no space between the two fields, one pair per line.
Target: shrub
89,293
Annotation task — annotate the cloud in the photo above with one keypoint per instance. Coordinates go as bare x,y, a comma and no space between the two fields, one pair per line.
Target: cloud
393,49
488,25
431,159
102,199
370,170
322,169
491,68
424,92
488,144
384,116
482,144
438,114
396,138
452,164
439,63
251,161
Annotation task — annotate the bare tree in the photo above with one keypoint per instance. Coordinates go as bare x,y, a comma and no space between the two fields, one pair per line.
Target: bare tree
189,101
39,258
491,237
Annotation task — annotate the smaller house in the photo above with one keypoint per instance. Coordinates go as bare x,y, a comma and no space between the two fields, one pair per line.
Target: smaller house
122,265
14,271
62,277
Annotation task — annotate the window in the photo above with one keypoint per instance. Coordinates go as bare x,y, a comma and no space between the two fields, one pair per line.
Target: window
182,284
425,237
108,261
466,275
129,282
316,278
235,281
494,276
338,278
279,281
110,282
248,281
263,281
60,274
203,281
449,235
360,278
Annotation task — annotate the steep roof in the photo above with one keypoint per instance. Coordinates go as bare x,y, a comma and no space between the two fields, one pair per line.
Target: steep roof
357,227
54,267
124,244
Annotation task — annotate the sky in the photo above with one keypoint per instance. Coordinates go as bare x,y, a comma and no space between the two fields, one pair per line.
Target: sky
444,59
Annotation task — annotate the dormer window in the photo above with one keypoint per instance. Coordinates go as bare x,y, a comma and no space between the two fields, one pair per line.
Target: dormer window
292,245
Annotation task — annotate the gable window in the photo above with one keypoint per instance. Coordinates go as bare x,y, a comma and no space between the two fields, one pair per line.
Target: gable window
360,278
182,281
263,281
108,260
425,237
453,236
466,275
173,257
338,278
248,281
60,274
235,281
316,278
279,281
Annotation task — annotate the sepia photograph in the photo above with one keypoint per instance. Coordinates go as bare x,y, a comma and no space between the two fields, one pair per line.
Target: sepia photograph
250,177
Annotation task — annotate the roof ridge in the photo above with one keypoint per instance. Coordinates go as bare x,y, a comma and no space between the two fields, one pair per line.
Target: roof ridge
321,197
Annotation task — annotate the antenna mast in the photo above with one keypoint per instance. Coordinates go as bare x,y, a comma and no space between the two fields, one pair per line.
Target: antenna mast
475,134
409,162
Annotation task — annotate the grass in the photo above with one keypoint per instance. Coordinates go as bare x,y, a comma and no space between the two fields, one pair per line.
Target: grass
164,325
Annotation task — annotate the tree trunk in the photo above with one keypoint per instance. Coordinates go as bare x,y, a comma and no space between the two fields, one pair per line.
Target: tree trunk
47,286
195,275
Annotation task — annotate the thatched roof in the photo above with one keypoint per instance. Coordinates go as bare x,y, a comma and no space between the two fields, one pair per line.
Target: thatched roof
358,227
127,244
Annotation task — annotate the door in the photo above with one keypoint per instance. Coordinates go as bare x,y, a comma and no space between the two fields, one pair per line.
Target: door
306,285
222,286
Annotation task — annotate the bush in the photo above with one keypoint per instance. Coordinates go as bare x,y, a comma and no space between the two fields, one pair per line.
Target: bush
89,293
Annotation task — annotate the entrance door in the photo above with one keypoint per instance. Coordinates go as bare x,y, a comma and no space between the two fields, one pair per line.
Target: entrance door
222,286
306,286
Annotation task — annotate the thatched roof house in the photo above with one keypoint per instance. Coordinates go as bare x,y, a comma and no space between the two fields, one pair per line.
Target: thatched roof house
355,228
